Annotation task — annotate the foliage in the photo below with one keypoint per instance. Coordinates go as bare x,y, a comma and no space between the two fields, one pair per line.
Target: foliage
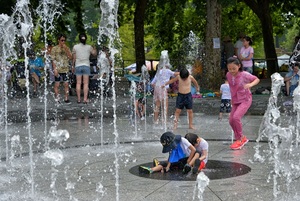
127,34
169,22
287,42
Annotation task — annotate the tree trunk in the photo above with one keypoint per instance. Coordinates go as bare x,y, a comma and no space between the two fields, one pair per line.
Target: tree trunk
262,9
212,76
139,17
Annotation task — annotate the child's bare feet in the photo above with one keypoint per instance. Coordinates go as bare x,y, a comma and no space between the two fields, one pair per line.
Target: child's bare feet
192,127
175,124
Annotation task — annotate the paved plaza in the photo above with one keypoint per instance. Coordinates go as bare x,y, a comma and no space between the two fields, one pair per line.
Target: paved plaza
96,157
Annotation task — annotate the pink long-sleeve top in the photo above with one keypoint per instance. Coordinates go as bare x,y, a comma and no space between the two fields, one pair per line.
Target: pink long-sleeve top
236,83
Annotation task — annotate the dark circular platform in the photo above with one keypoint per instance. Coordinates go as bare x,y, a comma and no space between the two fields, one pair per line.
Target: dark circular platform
214,170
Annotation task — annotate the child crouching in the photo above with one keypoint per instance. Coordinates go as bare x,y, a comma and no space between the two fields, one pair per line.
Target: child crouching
201,156
181,152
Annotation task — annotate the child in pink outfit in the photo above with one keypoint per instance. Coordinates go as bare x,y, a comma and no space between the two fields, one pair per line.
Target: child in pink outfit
240,83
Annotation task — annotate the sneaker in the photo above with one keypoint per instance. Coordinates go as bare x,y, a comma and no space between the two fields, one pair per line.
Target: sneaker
244,140
237,145
57,101
68,101
155,162
145,170
196,166
142,118
186,169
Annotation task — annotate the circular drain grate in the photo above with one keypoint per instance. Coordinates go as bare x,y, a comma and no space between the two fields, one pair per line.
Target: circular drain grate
214,170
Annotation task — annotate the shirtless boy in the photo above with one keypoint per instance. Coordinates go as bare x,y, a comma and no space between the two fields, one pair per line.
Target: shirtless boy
184,98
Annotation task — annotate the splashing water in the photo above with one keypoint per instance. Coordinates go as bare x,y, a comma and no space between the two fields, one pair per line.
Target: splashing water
145,77
133,111
201,183
7,41
48,10
58,136
108,34
24,24
161,78
282,137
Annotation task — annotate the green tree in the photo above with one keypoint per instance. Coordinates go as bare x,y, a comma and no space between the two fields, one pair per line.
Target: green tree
212,61
264,9
139,18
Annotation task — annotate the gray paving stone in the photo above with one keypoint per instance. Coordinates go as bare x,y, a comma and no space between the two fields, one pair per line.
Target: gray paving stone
95,167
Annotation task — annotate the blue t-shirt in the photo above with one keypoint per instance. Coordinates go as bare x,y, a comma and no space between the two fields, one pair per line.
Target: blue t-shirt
35,64
181,151
295,79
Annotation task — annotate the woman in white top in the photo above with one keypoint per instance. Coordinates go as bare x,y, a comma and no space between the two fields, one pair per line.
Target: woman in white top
81,66
162,76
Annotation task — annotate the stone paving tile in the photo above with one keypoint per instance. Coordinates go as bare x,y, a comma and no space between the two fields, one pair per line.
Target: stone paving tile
95,168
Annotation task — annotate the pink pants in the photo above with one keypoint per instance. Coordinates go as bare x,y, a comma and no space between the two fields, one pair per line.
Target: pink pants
235,119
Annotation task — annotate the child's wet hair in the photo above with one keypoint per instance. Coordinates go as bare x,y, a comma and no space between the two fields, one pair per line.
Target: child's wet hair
192,138
236,61
184,73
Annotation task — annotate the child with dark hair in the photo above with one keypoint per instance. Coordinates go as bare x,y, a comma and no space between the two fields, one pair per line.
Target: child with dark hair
180,150
225,99
201,156
240,83
184,98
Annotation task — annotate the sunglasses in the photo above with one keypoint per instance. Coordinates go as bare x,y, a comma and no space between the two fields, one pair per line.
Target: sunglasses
62,40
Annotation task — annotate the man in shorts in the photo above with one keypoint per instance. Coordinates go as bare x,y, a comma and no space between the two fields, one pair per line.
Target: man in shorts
61,55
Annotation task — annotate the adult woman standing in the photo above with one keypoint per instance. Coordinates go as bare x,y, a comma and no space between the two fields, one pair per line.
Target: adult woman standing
81,66
246,54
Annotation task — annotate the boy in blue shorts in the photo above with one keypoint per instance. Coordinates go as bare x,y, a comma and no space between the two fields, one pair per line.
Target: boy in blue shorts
184,98
181,152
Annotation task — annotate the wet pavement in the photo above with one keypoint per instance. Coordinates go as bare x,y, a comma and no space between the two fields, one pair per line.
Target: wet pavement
99,160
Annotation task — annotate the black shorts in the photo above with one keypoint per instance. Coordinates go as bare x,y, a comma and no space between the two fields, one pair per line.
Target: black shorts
184,101
142,100
62,77
225,106
175,166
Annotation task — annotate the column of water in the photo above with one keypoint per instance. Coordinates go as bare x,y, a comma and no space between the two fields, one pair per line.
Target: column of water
282,139
7,40
22,15
133,115
108,33
163,62
146,80
48,10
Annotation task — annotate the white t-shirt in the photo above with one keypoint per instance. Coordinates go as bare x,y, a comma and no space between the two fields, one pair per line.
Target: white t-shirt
104,63
83,53
162,76
203,145
225,89
185,144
